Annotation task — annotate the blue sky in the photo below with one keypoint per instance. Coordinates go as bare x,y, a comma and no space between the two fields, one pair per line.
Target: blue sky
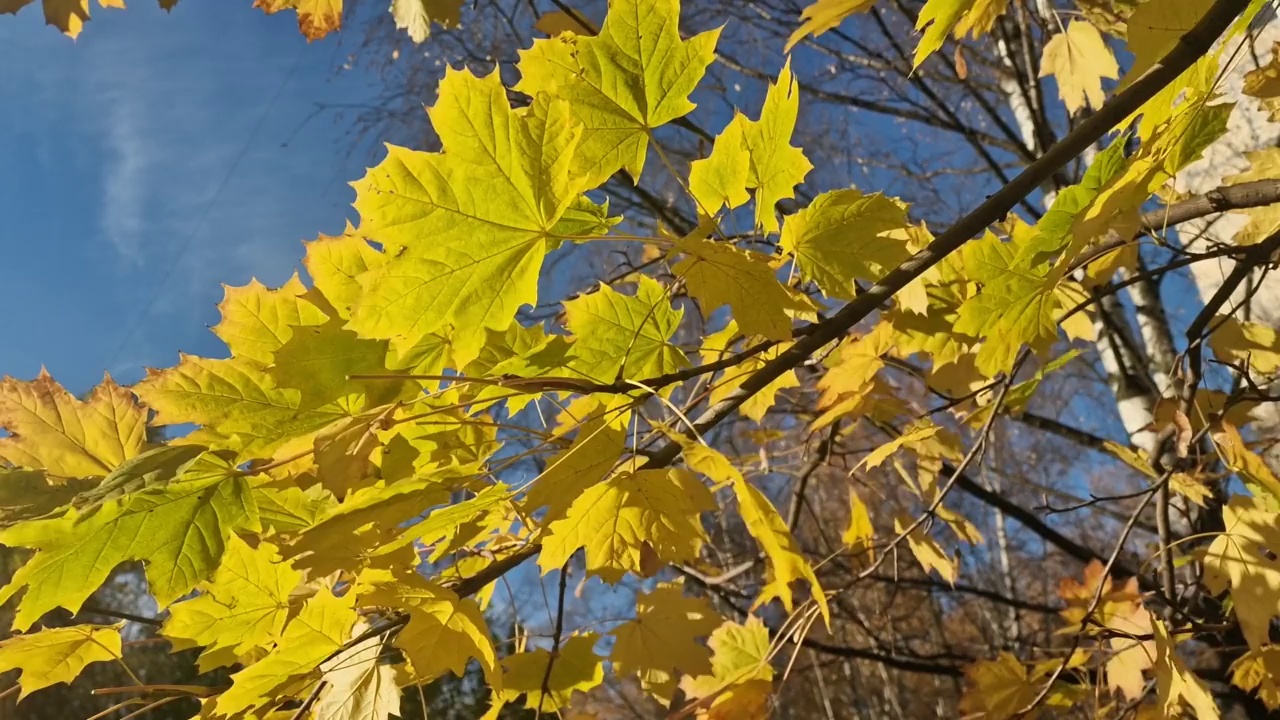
155,157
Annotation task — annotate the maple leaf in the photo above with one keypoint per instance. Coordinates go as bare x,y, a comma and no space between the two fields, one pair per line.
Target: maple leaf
927,551
471,223
1079,59
823,15
242,607
593,454
997,689
1119,610
1155,28
416,16
849,381
1243,342
633,77
69,16
576,669
316,18
1258,671
937,19
912,436
860,535
444,631
718,274
49,429
1175,684
628,337
844,236
629,522
58,654
335,264
364,519
1264,83
1242,559
1253,470
719,345
358,685
741,678
757,153
663,637
236,396
318,363
453,520
786,563
256,321
179,530
319,630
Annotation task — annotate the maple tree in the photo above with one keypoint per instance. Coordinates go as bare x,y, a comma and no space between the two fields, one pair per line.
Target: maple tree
389,440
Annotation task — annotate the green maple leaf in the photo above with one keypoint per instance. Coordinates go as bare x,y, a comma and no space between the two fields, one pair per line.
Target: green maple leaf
470,224
179,531
633,77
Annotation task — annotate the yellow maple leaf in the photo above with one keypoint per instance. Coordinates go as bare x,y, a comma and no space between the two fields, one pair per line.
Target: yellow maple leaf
256,321
319,630
358,684
237,396
1241,560
593,454
416,16
444,632
58,654
1079,60
823,15
316,18
624,336
849,381
754,155
336,262
1258,671
49,429
717,346
633,522
663,637
472,222
844,236
927,551
69,16
997,689
576,669
1244,342
741,678
1253,470
1176,686
718,274
243,607
786,563
1155,27
634,76
860,534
